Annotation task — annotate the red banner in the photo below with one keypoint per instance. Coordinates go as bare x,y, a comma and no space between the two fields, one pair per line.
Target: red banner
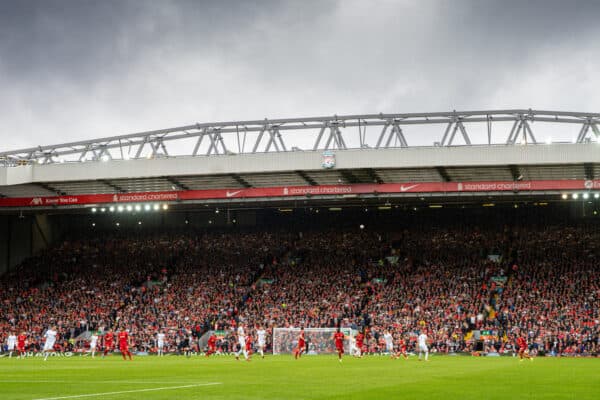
295,191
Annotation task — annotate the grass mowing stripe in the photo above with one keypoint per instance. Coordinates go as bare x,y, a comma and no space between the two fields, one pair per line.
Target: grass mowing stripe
129,391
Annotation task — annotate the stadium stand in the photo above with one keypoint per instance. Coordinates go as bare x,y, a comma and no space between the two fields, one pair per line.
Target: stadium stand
453,281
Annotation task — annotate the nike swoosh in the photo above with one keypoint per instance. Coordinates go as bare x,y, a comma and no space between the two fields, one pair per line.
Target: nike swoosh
231,194
405,188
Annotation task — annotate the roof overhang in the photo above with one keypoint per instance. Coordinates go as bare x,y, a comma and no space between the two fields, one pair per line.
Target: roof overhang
397,158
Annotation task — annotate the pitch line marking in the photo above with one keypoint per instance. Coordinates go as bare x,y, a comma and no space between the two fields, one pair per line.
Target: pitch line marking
129,391
93,382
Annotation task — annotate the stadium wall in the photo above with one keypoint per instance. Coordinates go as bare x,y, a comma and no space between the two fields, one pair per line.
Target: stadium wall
42,233
3,245
16,241
22,237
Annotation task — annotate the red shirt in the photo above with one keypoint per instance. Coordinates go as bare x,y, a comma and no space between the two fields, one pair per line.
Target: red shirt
301,337
248,342
21,340
339,339
212,340
521,342
123,338
108,339
359,339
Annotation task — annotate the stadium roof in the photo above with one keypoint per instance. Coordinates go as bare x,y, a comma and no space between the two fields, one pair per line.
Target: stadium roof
343,151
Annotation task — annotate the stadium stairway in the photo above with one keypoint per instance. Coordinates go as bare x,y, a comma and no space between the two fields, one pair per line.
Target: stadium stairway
207,326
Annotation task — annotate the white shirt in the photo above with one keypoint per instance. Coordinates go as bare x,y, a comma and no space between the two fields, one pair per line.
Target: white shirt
241,336
12,340
50,336
389,340
422,339
160,337
261,335
93,341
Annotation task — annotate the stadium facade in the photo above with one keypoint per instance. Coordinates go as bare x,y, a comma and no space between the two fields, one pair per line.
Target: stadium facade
380,160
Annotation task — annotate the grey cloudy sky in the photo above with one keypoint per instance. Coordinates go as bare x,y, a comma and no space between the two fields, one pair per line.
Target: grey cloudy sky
73,70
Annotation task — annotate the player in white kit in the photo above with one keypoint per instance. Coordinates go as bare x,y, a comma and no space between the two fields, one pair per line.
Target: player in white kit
93,344
50,336
422,343
242,343
160,343
11,342
262,335
354,351
389,343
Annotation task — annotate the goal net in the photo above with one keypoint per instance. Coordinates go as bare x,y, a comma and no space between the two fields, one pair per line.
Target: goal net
318,340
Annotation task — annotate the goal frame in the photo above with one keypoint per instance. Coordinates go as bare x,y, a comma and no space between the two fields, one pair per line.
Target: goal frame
319,340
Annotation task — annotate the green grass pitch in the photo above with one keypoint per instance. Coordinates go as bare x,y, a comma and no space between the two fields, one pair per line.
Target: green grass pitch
312,377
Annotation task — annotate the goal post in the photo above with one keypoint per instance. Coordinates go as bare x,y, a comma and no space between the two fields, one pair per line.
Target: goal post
318,340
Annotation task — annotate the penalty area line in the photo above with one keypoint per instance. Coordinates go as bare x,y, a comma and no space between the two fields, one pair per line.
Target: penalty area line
77,396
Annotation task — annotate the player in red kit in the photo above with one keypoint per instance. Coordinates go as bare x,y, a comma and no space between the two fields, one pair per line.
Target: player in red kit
401,349
109,338
301,344
21,339
360,342
249,347
522,343
123,337
338,338
212,345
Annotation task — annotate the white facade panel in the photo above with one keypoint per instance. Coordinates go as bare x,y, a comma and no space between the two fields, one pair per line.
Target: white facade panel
416,157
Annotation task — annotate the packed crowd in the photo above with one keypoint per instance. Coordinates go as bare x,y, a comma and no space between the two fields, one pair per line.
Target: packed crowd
457,284
553,295
177,284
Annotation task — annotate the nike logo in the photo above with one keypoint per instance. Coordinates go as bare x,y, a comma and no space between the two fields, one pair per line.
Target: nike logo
406,188
231,194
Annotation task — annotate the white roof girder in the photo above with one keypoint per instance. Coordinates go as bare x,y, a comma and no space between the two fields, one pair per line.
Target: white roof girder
289,135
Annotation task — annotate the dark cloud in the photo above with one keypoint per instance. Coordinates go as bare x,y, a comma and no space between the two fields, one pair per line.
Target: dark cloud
80,69
86,39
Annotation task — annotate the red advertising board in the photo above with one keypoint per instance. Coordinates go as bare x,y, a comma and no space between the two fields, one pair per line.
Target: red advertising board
301,191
